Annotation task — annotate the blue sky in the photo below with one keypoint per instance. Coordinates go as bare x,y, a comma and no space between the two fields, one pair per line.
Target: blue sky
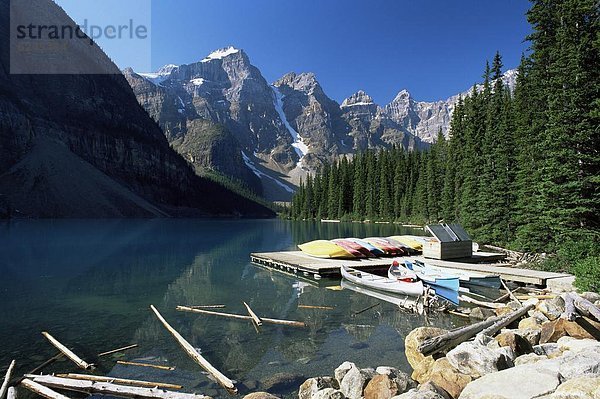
432,48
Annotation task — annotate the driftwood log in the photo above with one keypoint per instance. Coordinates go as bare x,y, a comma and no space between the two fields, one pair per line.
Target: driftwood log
4,387
12,393
242,317
42,390
117,350
120,381
193,353
154,366
507,319
570,313
255,318
585,307
106,388
67,352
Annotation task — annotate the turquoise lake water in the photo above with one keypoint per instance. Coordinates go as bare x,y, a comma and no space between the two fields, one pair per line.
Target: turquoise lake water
90,284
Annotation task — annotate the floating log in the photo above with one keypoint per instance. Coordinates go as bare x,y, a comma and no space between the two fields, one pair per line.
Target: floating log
12,393
106,388
507,319
42,390
585,307
365,309
4,386
315,307
121,381
242,317
458,314
67,352
255,318
154,366
491,305
118,350
207,307
191,351
454,337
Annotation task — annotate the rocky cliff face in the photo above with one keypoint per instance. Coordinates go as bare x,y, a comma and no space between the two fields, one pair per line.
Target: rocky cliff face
282,131
81,146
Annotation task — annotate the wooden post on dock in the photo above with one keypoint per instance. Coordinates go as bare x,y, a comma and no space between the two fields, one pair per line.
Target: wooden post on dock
4,386
68,353
42,390
191,351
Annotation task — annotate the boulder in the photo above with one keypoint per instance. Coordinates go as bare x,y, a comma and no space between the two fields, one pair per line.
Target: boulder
561,284
517,343
578,364
552,308
532,335
355,381
260,395
591,296
381,386
574,330
530,323
386,370
539,316
551,350
481,313
341,371
476,360
329,393
529,359
414,339
577,345
503,311
402,380
553,330
281,381
520,382
578,388
422,372
311,386
445,376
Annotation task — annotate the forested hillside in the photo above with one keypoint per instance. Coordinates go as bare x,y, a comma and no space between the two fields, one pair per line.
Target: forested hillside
520,168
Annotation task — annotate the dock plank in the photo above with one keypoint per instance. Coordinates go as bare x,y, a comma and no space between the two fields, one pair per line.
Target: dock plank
299,263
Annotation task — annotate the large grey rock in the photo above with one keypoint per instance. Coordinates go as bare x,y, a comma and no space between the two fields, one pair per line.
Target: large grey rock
591,296
520,382
529,358
342,370
532,335
561,284
416,394
329,393
311,386
550,349
279,381
578,388
354,382
445,376
260,395
415,338
476,360
578,364
381,386
577,345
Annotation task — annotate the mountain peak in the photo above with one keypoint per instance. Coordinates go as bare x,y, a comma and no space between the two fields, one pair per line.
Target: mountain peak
221,53
358,98
403,95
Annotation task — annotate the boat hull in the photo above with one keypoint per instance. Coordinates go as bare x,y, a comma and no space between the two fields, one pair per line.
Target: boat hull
381,283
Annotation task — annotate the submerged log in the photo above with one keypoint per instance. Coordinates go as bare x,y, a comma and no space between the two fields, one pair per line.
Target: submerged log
242,317
365,309
255,318
67,352
191,351
42,390
207,307
106,388
4,386
47,363
315,307
121,381
117,350
154,366
509,292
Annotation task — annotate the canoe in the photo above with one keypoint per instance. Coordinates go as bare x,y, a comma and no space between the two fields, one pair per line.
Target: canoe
381,283
325,249
385,246
350,245
397,244
409,241
401,301
401,273
467,277
433,278
373,249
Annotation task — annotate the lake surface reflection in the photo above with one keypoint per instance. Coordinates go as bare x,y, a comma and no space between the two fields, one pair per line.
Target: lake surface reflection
90,283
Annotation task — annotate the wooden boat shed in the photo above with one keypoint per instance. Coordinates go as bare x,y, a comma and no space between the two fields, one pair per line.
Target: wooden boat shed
450,241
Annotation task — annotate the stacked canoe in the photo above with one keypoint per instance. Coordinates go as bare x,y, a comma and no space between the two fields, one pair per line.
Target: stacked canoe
370,247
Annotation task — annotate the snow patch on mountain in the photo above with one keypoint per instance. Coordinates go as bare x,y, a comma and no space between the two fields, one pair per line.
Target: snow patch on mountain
299,146
159,76
221,53
262,175
197,81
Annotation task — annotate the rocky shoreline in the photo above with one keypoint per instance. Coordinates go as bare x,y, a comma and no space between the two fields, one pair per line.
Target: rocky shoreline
550,353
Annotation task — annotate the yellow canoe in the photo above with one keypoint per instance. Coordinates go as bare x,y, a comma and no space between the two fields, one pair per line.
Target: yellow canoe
409,241
325,249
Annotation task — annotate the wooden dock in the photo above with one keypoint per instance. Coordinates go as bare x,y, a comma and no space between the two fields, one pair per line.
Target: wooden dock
298,263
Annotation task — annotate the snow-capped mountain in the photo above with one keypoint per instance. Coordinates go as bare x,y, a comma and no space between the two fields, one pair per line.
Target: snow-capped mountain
222,115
